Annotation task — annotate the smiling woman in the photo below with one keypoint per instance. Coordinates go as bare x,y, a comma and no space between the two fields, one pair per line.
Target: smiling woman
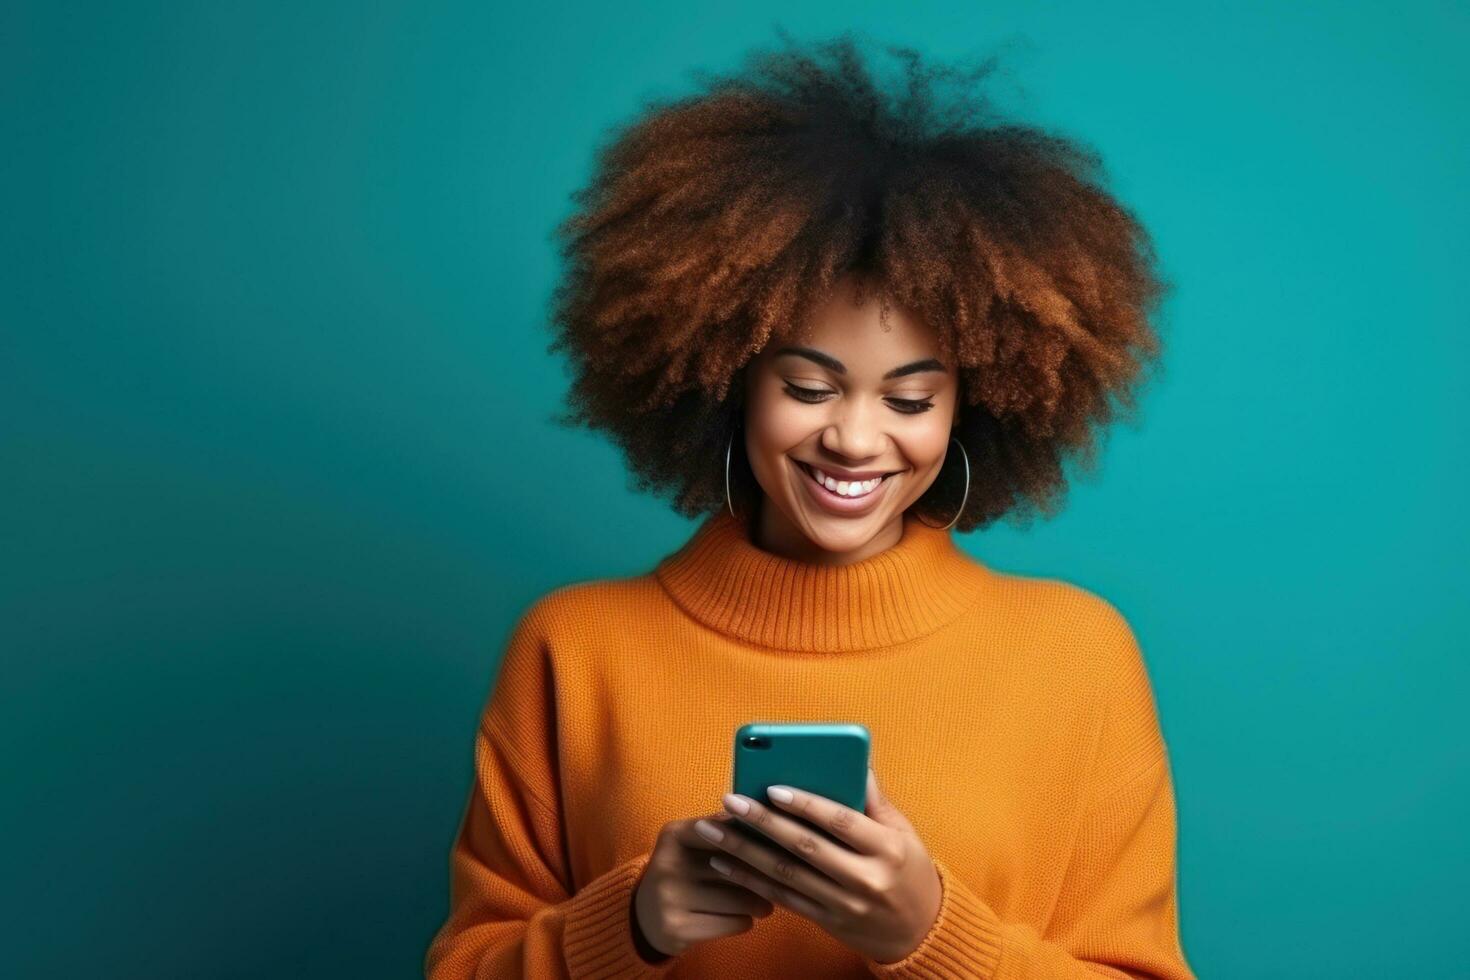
836,323
727,225
870,405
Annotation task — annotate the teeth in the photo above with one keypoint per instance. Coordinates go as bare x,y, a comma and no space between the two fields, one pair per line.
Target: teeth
843,488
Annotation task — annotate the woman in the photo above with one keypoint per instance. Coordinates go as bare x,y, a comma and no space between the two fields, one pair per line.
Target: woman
837,324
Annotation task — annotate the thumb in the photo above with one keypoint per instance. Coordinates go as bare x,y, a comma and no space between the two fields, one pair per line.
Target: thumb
880,808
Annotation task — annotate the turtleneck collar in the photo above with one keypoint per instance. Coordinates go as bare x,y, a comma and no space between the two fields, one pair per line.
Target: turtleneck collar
720,578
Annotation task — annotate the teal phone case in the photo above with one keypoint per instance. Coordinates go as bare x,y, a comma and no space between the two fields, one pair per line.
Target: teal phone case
828,759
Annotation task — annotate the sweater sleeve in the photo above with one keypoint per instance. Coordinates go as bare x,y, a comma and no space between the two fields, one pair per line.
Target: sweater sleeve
511,910
1117,912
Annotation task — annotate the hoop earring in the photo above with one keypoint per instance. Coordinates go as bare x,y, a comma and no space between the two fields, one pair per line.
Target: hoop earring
963,501
728,447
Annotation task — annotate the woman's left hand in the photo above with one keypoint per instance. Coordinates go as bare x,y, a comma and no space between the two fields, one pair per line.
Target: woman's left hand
879,896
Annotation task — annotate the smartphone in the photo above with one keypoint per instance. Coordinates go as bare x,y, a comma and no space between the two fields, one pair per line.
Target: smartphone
829,759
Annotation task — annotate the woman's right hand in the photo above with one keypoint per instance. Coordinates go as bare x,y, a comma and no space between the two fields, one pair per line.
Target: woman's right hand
681,900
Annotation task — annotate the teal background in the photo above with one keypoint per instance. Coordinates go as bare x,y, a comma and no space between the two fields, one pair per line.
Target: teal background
278,470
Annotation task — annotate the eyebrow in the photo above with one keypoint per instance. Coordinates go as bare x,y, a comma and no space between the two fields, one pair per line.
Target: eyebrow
833,364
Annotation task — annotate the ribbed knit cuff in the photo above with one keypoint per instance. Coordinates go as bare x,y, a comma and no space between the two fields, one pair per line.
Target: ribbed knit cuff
598,933
965,940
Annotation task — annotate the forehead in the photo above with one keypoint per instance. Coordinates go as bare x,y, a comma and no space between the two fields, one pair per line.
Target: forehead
857,337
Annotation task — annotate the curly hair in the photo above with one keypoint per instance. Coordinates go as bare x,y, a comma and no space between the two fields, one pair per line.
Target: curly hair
717,221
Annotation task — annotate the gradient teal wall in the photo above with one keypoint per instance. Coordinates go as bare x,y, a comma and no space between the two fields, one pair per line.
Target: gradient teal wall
278,472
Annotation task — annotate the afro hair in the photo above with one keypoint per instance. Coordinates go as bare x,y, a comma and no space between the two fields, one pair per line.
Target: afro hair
715,222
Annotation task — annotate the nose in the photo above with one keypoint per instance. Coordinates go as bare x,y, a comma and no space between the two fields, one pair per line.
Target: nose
854,433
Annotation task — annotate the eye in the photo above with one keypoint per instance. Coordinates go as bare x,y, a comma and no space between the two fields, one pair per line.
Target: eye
912,406
809,395
908,406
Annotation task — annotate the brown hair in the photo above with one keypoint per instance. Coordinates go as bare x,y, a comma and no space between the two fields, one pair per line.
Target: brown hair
717,221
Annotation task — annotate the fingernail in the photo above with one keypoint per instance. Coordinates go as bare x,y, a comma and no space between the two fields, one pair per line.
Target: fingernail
737,804
780,794
709,831
719,864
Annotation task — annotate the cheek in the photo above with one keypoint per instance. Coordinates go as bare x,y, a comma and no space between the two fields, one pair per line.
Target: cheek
772,434
775,425
925,445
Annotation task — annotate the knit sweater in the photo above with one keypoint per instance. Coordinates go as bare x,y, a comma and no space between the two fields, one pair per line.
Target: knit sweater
1012,722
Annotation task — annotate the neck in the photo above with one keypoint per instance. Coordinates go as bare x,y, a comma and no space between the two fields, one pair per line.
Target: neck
776,533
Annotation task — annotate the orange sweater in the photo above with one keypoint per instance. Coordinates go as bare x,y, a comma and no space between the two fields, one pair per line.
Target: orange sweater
1012,720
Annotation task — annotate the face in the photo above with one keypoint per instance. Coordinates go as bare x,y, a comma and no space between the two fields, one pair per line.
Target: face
859,404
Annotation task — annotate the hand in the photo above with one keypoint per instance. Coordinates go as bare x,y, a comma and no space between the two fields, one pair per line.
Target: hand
681,900
879,897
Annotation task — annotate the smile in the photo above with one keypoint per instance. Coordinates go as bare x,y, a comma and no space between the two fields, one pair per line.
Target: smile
848,498
843,488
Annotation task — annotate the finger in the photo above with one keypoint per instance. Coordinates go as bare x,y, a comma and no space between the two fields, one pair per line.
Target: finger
785,867
685,833
858,830
835,860
881,809
701,926
742,874
721,896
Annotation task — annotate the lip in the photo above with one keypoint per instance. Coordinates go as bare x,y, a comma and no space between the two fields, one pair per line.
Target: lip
832,503
848,475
